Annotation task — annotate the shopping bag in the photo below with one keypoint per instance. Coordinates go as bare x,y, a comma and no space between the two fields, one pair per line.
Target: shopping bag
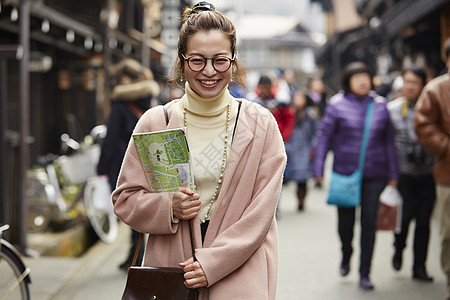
389,209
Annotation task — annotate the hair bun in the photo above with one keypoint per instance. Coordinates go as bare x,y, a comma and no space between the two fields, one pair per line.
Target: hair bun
199,7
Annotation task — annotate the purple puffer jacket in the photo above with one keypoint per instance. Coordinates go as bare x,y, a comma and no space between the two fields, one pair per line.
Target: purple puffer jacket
341,131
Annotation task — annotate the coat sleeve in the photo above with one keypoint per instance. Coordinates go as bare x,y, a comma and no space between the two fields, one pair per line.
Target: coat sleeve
248,231
390,148
324,139
134,203
426,125
110,144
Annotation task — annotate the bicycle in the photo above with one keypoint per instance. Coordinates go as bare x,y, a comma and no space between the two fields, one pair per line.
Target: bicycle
63,188
15,276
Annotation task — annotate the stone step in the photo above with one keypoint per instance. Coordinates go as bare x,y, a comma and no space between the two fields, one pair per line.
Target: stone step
73,241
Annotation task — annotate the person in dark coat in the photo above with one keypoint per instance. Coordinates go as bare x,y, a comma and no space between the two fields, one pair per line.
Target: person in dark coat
316,96
130,99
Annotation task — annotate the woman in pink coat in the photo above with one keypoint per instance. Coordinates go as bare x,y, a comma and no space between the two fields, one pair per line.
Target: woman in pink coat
238,161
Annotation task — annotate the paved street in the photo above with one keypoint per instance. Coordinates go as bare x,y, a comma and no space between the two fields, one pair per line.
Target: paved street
309,260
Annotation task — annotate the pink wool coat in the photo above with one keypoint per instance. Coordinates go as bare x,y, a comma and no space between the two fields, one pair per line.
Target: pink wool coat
240,252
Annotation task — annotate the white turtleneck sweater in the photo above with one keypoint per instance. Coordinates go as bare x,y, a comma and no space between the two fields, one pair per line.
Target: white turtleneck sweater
206,123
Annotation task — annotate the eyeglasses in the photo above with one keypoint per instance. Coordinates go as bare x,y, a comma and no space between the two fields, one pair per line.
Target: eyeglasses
220,63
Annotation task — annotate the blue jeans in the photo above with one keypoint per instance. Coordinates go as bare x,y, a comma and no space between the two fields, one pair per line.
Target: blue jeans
370,195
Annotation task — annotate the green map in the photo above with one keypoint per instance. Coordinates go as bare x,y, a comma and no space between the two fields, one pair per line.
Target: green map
165,158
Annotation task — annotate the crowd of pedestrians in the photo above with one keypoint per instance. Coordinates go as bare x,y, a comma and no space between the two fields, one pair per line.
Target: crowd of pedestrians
408,147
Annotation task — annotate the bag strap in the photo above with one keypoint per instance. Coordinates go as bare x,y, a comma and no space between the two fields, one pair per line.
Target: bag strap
166,116
134,109
365,138
237,117
141,236
138,247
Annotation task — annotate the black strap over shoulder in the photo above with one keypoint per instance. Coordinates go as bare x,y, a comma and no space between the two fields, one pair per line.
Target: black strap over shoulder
166,116
237,117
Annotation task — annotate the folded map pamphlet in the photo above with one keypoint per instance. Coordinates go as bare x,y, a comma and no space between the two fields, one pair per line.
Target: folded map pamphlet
166,159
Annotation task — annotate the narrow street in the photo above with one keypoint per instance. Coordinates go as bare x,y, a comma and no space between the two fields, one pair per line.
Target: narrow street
68,67
309,260
310,257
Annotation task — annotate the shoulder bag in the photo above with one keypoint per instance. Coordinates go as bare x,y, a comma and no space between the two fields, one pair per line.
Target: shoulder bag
162,283
345,190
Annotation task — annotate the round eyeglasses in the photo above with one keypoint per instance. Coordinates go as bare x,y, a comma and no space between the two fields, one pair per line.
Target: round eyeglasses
197,63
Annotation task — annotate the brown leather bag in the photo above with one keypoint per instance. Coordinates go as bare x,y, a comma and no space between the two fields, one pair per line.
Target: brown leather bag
161,283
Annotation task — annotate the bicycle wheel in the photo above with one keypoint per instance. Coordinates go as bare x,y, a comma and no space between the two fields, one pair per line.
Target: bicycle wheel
100,212
13,284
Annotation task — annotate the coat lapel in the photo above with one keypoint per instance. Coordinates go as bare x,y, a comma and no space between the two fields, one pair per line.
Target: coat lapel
242,138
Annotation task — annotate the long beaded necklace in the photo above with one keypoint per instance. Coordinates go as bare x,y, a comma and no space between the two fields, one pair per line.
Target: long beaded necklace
222,167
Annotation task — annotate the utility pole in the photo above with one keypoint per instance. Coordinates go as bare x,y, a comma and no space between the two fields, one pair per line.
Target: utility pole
110,21
24,98
6,52
145,52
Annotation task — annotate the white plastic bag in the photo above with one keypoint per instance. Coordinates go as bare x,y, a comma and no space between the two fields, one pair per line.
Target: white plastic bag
390,199
391,196
102,195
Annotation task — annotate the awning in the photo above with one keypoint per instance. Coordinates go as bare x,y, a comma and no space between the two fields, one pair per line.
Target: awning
85,31
407,12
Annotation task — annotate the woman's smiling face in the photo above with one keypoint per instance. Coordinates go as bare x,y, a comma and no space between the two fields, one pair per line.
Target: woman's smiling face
208,82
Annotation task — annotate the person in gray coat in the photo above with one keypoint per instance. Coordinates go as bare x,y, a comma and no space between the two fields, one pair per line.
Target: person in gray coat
416,182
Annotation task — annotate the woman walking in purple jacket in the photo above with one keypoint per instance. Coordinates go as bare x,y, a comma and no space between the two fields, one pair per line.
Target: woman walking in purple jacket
341,131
